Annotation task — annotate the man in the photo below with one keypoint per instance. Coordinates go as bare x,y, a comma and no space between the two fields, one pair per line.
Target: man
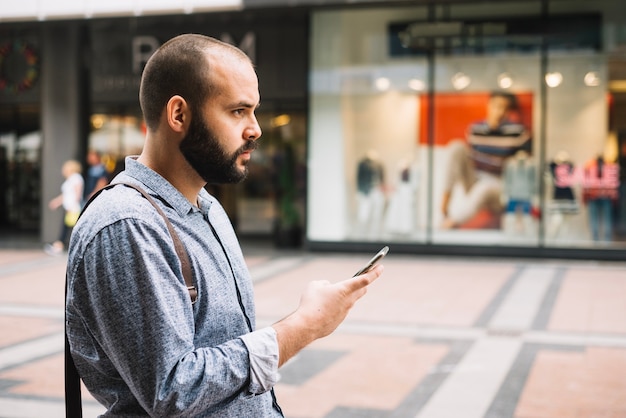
475,166
97,176
140,346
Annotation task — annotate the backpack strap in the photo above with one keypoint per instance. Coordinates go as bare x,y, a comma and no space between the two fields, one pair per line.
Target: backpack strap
73,401
178,245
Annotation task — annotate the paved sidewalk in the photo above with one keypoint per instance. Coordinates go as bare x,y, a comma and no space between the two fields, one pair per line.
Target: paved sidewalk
434,337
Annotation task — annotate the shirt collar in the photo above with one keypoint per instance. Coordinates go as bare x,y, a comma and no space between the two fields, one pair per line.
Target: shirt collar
163,188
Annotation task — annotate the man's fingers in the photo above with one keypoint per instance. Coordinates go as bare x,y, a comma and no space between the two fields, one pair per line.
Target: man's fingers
358,282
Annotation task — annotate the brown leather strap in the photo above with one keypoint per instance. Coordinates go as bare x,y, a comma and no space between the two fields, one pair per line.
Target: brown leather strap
73,398
178,245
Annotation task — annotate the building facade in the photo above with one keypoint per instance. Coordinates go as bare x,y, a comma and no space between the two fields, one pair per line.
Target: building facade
468,127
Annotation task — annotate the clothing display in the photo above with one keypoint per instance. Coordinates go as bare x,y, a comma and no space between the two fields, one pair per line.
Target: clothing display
370,174
400,215
600,213
563,199
562,204
520,190
621,206
126,261
600,193
561,173
370,197
520,181
601,180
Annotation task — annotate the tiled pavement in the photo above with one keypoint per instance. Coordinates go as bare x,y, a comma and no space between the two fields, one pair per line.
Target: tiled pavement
434,337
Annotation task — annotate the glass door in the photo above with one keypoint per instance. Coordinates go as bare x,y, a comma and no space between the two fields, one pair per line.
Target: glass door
20,166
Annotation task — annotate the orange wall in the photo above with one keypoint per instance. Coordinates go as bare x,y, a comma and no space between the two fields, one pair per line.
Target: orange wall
455,111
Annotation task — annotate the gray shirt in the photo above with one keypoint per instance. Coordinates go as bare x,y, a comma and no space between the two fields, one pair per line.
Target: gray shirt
140,346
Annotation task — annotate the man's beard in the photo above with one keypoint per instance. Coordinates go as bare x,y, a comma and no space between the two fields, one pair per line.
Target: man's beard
203,151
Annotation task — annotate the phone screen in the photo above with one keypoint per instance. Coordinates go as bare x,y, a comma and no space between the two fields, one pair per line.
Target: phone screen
383,252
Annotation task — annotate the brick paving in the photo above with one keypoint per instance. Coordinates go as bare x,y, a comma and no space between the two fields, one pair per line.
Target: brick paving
434,337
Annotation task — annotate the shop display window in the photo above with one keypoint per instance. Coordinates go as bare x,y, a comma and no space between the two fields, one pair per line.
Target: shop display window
499,134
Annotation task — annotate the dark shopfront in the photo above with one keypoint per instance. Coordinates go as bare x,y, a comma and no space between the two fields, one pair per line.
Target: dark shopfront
100,109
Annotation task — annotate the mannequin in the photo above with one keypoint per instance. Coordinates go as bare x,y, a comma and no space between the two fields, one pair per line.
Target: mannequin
621,218
600,192
370,196
520,193
400,216
563,203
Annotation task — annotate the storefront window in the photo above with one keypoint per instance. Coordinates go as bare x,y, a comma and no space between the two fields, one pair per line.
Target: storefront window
369,172
20,168
481,124
270,202
579,193
486,139
271,199
485,176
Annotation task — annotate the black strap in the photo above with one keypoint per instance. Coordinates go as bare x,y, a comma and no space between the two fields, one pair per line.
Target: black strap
73,402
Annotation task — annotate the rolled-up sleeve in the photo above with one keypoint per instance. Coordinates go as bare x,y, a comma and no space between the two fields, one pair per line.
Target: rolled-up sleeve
262,348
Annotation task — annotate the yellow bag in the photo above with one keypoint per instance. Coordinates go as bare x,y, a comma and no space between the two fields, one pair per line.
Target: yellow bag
71,218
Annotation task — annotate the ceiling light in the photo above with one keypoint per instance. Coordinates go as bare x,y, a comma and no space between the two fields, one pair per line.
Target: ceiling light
382,83
417,84
280,120
592,79
460,80
505,80
554,79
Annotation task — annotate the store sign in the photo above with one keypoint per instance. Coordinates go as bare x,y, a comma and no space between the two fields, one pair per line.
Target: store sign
144,46
142,49
247,44
117,70
524,34
122,47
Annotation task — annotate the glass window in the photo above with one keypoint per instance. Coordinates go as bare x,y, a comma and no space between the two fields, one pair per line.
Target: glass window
486,140
584,131
271,199
472,124
369,171
20,167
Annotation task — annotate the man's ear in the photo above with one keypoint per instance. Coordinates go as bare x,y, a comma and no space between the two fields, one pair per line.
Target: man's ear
177,114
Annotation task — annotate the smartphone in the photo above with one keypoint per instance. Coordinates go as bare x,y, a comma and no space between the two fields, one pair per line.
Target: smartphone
383,252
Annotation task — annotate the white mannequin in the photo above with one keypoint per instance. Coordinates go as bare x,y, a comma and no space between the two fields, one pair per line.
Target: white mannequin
520,190
400,217
370,195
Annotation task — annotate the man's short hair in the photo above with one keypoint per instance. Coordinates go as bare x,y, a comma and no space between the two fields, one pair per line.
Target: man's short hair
179,67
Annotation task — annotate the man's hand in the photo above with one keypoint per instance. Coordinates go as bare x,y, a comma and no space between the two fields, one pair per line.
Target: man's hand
322,308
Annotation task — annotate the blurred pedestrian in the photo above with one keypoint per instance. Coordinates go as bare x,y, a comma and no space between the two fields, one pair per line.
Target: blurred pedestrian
71,200
97,176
